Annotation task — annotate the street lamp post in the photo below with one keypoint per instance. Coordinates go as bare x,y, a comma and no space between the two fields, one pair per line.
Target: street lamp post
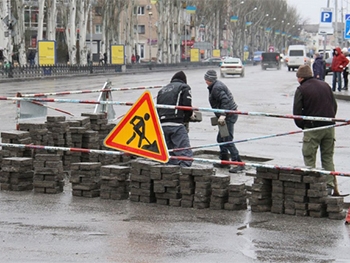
149,40
244,35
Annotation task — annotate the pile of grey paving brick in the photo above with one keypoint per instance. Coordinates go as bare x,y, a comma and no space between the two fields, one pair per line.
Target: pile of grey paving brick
121,177
48,173
294,193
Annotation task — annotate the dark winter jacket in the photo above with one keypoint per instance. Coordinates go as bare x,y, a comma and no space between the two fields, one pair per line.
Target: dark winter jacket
314,98
176,93
339,61
220,97
318,67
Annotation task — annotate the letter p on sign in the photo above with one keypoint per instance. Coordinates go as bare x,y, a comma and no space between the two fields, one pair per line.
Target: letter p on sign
326,17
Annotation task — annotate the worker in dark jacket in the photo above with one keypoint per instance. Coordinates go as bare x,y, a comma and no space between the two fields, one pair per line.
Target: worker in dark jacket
173,121
315,98
220,97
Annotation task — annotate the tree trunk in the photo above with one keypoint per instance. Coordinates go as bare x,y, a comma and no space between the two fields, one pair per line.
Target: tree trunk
83,18
51,19
20,36
71,32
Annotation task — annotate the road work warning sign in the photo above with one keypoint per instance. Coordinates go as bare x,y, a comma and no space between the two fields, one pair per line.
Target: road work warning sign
140,132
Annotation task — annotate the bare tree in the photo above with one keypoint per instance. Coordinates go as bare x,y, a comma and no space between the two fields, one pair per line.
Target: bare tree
71,32
8,47
20,30
51,11
83,11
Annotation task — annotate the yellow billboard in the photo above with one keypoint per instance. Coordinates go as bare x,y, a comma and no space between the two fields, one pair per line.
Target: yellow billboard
46,52
195,55
118,54
216,53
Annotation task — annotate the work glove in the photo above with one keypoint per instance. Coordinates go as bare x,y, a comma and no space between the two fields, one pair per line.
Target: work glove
193,117
221,120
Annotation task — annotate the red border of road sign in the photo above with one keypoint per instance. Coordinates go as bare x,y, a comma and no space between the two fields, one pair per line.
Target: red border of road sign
163,156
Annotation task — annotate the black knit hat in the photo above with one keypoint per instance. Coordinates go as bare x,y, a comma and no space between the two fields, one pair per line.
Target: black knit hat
180,75
210,75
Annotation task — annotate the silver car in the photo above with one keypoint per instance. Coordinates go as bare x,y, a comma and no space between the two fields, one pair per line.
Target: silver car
232,66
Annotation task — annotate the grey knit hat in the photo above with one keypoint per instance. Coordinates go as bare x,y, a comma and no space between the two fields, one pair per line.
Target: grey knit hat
210,75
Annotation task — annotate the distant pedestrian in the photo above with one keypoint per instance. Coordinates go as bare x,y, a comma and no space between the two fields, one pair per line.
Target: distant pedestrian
220,97
339,62
133,59
101,59
105,58
137,58
318,66
315,98
346,69
88,58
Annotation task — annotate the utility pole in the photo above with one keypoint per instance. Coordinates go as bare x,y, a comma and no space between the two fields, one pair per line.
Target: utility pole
150,35
336,23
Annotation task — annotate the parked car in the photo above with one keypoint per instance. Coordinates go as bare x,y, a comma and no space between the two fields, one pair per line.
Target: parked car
232,66
213,60
257,57
297,56
270,60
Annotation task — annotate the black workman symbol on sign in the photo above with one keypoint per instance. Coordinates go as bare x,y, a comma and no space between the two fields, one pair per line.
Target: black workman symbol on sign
140,130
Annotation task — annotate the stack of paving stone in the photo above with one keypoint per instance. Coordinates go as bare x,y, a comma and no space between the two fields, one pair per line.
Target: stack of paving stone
115,182
17,174
114,158
16,137
187,186
335,207
260,198
141,184
166,184
91,140
99,123
85,179
237,197
60,136
48,174
77,127
316,194
38,133
293,193
59,129
219,191
202,178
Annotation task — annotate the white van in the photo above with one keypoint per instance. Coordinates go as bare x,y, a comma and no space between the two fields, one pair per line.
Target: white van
296,57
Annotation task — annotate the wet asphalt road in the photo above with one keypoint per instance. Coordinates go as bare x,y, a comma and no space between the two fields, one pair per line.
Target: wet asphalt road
63,228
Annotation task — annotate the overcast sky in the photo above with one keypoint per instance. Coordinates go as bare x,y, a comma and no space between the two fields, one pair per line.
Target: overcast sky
311,9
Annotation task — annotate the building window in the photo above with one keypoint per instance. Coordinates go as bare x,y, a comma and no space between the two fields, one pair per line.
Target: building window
140,29
139,10
98,11
98,29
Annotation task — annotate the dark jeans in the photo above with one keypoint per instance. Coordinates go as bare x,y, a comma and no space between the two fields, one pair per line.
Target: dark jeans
229,148
336,78
176,137
345,76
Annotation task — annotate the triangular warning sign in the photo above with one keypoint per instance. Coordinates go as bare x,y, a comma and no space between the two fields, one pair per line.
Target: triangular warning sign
139,132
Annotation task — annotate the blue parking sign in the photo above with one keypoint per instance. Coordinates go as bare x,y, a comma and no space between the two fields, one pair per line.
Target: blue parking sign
347,27
326,17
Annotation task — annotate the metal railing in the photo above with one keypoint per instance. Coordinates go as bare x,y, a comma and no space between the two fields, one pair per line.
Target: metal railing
42,71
